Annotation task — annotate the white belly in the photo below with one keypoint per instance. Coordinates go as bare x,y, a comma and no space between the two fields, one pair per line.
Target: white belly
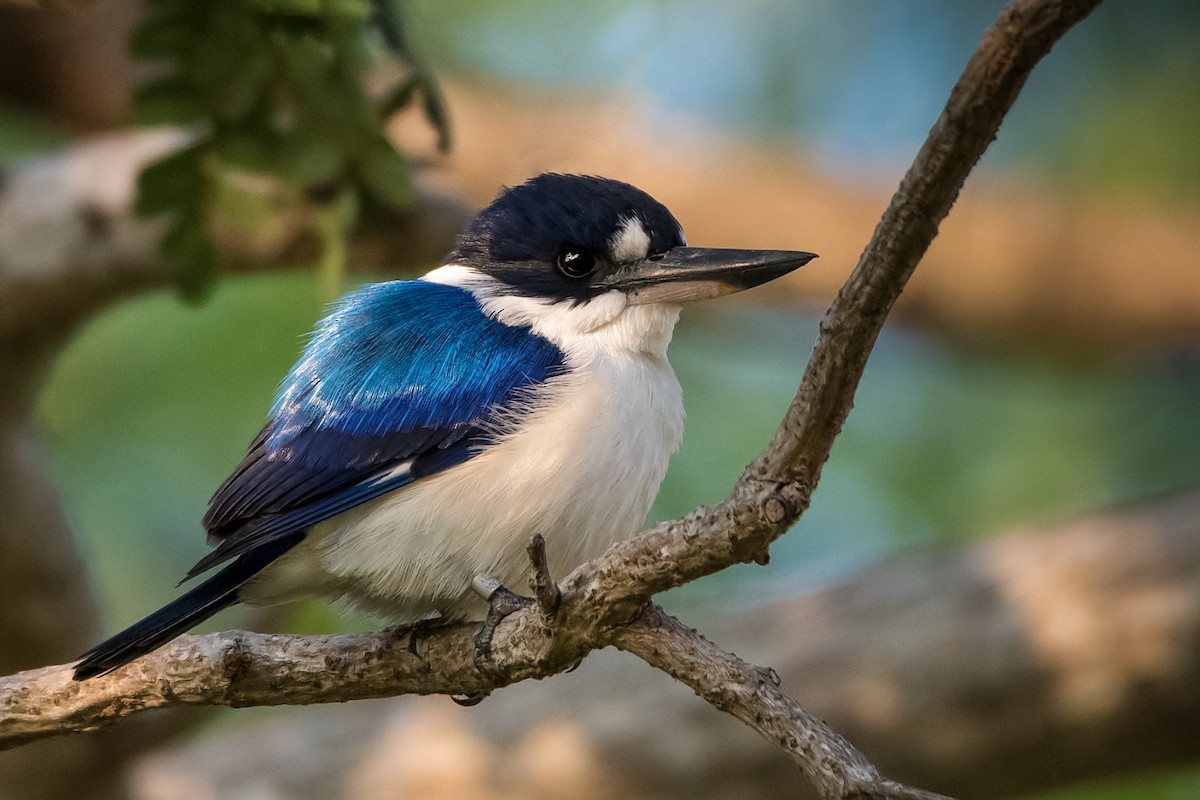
583,471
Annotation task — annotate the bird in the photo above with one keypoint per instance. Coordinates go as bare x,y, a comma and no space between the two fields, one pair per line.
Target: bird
432,426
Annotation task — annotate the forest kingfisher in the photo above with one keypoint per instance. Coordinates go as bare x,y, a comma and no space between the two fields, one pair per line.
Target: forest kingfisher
431,427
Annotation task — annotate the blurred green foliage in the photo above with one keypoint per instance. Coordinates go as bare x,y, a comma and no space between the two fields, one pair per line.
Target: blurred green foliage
1173,784
23,134
277,93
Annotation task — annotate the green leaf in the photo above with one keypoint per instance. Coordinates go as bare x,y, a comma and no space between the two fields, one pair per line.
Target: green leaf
163,37
171,182
307,160
385,175
349,9
299,157
306,59
251,150
170,101
246,209
238,97
281,89
302,8
192,253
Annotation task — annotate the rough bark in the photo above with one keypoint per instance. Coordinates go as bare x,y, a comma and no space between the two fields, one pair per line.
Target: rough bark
607,599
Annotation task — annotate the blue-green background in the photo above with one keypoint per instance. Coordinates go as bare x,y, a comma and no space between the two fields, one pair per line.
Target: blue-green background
949,440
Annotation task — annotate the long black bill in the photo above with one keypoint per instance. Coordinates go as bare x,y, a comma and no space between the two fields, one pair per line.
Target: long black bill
684,274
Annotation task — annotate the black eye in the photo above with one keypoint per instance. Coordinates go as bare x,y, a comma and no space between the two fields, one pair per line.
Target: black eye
575,262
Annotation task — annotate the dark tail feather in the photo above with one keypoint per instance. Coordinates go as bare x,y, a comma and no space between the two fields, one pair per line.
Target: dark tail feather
214,594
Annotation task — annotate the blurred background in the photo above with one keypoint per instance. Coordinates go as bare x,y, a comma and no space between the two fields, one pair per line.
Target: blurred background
995,591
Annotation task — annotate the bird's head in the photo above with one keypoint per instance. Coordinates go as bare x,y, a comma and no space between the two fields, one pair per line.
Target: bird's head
572,254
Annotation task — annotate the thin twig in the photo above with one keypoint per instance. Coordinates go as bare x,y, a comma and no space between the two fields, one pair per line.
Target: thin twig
545,590
776,488
753,695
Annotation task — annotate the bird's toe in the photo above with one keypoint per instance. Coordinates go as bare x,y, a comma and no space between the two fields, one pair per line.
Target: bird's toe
501,603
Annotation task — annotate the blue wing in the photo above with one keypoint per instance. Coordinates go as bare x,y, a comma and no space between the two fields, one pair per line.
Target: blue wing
399,382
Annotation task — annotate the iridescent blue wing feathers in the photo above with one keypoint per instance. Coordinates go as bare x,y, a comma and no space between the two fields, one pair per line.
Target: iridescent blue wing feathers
402,380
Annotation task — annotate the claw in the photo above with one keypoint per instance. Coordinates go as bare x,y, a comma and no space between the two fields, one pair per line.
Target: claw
468,700
501,603
416,631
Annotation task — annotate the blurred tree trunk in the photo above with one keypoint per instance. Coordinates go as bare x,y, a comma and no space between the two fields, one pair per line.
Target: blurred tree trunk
47,611
69,62
71,247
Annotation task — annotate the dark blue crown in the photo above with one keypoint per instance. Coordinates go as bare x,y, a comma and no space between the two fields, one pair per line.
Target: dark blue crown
520,234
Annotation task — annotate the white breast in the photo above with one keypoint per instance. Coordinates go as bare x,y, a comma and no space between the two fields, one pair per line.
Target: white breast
582,469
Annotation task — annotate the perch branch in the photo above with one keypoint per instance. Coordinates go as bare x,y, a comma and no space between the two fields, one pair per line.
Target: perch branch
950,667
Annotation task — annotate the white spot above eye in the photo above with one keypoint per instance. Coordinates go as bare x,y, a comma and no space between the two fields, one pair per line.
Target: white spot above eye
631,242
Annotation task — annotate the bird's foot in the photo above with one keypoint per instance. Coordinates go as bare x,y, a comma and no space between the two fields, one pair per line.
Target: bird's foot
468,700
416,631
501,603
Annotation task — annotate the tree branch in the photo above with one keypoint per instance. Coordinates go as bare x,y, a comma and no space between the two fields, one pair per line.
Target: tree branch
752,694
70,243
604,601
